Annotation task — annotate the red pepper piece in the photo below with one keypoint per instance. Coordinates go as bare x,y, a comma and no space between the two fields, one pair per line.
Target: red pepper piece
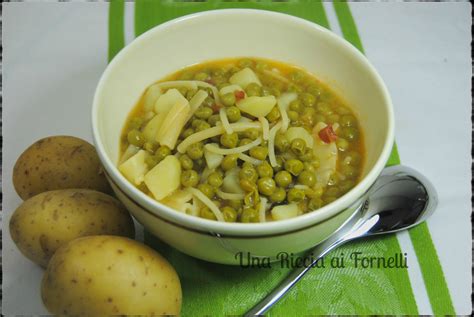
327,134
239,94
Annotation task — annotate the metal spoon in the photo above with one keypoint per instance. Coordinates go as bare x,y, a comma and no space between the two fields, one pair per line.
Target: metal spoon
401,198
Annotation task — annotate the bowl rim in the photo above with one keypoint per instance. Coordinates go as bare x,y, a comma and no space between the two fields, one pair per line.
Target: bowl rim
244,229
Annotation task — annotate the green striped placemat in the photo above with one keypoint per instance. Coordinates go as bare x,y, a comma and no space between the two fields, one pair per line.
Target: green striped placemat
213,289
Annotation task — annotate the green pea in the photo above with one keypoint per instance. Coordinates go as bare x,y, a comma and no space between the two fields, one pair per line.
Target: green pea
247,185
248,172
279,165
273,115
229,162
307,119
162,152
261,66
333,118
349,171
265,169
229,213
309,167
348,121
186,162
214,179
236,204
228,99
293,116
187,132
151,161
314,90
295,88
283,179
229,140
245,62
189,178
296,106
294,166
259,152
315,203
324,108
190,93
207,190
307,178
249,215
183,90
350,134
203,113
244,141
296,195
342,144
202,125
251,198
209,101
136,123
201,76
207,213
197,122
195,151
233,114
252,133
199,164
186,76
247,165
281,142
253,89
318,192
315,162
278,195
352,158
296,76
319,118
136,138
266,186
308,99
212,120
307,156
150,147
298,146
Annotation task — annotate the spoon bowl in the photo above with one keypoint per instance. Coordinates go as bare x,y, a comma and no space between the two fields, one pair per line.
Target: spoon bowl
400,199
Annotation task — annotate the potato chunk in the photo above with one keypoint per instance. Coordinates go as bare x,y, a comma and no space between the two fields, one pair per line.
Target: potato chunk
164,178
135,168
244,77
257,106
285,212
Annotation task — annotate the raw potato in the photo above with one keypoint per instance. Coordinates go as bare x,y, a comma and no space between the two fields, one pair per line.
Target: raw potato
58,162
107,275
49,220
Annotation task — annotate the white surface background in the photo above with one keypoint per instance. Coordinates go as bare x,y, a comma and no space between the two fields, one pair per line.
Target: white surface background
54,55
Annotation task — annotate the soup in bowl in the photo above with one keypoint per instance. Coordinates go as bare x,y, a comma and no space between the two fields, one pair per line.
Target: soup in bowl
257,144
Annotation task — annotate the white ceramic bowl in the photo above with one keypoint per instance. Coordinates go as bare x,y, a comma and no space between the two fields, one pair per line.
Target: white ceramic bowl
233,33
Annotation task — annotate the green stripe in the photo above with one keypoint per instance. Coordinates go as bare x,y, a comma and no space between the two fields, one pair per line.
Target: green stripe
431,270
149,13
116,29
420,236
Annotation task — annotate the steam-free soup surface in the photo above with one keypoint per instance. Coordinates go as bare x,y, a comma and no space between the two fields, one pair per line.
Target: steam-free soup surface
242,140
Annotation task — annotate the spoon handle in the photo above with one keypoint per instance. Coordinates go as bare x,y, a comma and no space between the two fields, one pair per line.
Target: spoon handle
353,228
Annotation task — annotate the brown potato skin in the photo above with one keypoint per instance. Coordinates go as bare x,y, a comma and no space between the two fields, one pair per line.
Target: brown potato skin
43,223
58,162
110,276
